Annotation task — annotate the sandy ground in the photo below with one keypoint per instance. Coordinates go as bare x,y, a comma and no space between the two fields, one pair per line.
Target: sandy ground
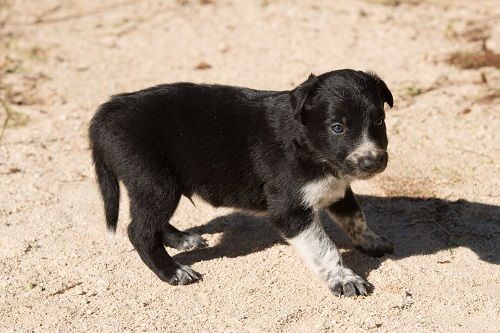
438,200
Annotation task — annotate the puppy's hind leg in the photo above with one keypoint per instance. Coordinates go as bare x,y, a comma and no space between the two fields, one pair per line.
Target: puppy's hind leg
180,240
152,203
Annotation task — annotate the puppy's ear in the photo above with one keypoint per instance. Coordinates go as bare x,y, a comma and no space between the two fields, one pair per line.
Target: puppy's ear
384,92
299,95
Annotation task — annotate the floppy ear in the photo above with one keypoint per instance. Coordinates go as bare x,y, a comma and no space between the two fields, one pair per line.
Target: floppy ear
384,92
299,95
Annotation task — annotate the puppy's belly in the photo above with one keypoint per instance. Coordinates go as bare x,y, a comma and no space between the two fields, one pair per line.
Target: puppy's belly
256,213
244,198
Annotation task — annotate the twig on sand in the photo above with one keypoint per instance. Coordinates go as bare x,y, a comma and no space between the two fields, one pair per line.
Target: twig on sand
474,152
42,19
65,289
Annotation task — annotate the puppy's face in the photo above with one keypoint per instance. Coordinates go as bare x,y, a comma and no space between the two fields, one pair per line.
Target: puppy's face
344,117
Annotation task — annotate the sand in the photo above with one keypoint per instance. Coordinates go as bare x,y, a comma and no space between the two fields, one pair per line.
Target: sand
438,200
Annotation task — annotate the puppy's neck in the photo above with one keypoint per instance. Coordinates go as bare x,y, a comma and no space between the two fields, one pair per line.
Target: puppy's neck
314,161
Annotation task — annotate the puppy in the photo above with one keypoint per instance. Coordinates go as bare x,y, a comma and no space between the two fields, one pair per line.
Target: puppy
285,153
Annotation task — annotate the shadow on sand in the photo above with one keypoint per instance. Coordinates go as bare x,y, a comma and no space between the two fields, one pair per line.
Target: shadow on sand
415,226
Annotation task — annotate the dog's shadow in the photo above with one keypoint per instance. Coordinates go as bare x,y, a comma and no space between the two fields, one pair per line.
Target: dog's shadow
415,226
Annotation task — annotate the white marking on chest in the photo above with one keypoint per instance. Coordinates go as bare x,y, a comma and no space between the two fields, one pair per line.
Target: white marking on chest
323,192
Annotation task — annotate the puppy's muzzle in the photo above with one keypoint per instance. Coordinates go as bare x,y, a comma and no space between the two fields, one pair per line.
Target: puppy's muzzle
373,162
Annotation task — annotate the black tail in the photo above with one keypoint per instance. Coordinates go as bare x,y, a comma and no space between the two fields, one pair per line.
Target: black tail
110,192
107,180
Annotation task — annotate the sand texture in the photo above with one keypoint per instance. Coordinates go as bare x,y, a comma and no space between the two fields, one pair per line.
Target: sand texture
438,200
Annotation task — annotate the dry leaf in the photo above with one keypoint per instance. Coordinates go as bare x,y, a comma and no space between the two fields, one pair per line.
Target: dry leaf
202,65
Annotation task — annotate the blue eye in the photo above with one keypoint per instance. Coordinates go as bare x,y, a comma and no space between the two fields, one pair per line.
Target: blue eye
337,128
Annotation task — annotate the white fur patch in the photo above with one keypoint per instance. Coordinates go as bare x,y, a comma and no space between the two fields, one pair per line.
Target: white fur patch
323,192
366,148
317,250
323,258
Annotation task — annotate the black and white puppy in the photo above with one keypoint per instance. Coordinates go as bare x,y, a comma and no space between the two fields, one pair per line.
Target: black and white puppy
285,153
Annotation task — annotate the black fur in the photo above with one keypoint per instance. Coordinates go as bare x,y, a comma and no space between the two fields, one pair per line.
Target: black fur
231,146
347,205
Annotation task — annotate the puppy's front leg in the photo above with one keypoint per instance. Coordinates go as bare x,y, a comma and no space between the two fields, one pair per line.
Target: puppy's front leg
348,215
304,232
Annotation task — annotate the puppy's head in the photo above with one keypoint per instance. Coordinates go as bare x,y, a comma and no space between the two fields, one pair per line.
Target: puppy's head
343,113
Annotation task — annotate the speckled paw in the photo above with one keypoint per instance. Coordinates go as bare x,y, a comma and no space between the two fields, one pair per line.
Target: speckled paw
345,282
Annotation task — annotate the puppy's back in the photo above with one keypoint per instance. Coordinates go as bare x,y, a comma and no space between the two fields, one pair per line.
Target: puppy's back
204,135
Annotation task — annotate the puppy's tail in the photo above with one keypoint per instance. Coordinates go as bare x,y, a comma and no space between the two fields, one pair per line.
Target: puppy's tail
106,178
110,192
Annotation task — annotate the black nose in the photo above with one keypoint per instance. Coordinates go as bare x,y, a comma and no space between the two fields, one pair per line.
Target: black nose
374,162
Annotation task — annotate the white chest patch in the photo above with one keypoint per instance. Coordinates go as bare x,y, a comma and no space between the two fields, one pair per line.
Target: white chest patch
323,192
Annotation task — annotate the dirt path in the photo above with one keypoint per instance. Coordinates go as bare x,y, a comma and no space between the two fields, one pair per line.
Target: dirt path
438,200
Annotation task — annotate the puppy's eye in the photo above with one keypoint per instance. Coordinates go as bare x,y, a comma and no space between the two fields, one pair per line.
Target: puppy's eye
337,128
379,122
